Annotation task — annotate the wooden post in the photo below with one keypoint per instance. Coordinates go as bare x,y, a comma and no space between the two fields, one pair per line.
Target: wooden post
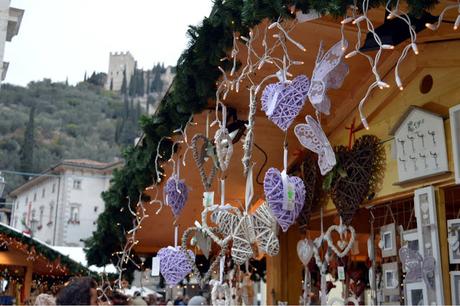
28,281
442,225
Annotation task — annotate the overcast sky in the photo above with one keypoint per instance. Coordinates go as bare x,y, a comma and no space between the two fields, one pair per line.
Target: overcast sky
65,38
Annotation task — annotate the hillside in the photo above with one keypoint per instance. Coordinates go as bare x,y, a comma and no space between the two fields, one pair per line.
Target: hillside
60,121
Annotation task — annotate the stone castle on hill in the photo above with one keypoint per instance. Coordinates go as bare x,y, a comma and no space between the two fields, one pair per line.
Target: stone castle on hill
145,86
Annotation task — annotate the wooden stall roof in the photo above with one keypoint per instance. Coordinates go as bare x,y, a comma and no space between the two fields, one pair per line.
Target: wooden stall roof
157,231
25,250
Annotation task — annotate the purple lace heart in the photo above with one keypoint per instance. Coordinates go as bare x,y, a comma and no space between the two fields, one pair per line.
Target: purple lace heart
282,102
274,193
174,264
176,194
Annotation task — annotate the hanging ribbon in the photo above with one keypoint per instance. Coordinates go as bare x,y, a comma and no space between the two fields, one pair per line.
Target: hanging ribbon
249,193
222,192
176,234
221,267
288,189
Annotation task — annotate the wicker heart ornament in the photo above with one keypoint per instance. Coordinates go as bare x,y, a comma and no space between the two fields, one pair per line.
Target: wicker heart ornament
283,101
175,264
175,194
305,250
200,158
278,194
342,247
363,167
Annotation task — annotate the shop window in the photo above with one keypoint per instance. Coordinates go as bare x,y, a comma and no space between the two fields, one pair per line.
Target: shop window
76,184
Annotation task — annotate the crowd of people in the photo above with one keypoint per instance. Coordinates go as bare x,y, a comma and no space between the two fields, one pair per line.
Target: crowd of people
85,291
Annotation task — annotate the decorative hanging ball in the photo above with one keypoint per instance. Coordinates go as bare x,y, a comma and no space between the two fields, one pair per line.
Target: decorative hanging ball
283,101
174,264
274,190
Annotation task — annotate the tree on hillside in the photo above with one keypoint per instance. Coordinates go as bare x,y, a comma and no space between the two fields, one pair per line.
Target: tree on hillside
27,150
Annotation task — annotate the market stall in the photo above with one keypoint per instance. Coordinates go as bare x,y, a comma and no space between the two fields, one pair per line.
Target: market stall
327,147
27,263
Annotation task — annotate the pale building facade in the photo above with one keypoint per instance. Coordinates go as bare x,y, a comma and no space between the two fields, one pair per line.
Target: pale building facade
61,206
118,63
10,21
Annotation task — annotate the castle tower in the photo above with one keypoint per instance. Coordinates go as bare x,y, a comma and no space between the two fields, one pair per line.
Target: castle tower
118,62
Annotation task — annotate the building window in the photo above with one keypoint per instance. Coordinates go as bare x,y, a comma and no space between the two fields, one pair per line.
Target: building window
50,220
53,188
74,214
76,184
35,197
33,221
40,218
27,200
17,204
16,221
43,192
95,208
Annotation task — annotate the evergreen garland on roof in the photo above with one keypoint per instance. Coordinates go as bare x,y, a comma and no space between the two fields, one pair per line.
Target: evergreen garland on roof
192,90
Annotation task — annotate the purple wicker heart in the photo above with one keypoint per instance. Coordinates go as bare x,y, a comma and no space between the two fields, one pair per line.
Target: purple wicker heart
176,194
174,264
282,102
274,193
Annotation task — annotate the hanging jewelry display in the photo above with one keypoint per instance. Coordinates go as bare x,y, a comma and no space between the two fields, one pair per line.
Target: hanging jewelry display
285,194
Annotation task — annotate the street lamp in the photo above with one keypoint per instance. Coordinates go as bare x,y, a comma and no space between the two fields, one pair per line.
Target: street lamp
2,184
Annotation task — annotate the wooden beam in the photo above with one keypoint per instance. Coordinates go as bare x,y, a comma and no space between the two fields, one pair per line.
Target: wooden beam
442,225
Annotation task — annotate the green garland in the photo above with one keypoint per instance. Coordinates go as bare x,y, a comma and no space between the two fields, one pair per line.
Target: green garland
192,89
74,267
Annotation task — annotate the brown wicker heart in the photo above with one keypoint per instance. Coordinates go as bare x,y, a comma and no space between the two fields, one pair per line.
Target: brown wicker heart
364,167
199,157
312,181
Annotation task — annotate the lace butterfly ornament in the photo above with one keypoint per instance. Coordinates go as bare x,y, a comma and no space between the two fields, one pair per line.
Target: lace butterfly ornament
329,72
312,137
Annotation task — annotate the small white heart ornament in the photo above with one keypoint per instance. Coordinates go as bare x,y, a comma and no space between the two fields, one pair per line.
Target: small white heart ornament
305,250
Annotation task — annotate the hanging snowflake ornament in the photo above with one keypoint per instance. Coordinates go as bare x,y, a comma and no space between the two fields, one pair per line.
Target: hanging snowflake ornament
329,72
283,101
174,264
312,137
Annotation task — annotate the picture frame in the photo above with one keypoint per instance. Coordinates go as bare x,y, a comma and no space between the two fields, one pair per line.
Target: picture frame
412,239
454,117
453,239
388,240
391,284
416,294
455,287
427,228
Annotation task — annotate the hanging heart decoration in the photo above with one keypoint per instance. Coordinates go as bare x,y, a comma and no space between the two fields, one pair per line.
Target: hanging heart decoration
175,194
305,250
224,147
175,264
203,242
274,190
312,181
200,158
343,247
362,170
283,101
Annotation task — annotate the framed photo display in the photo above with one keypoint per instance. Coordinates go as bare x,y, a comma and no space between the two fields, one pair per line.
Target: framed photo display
388,240
453,238
455,287
390,285
427,228
416,294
